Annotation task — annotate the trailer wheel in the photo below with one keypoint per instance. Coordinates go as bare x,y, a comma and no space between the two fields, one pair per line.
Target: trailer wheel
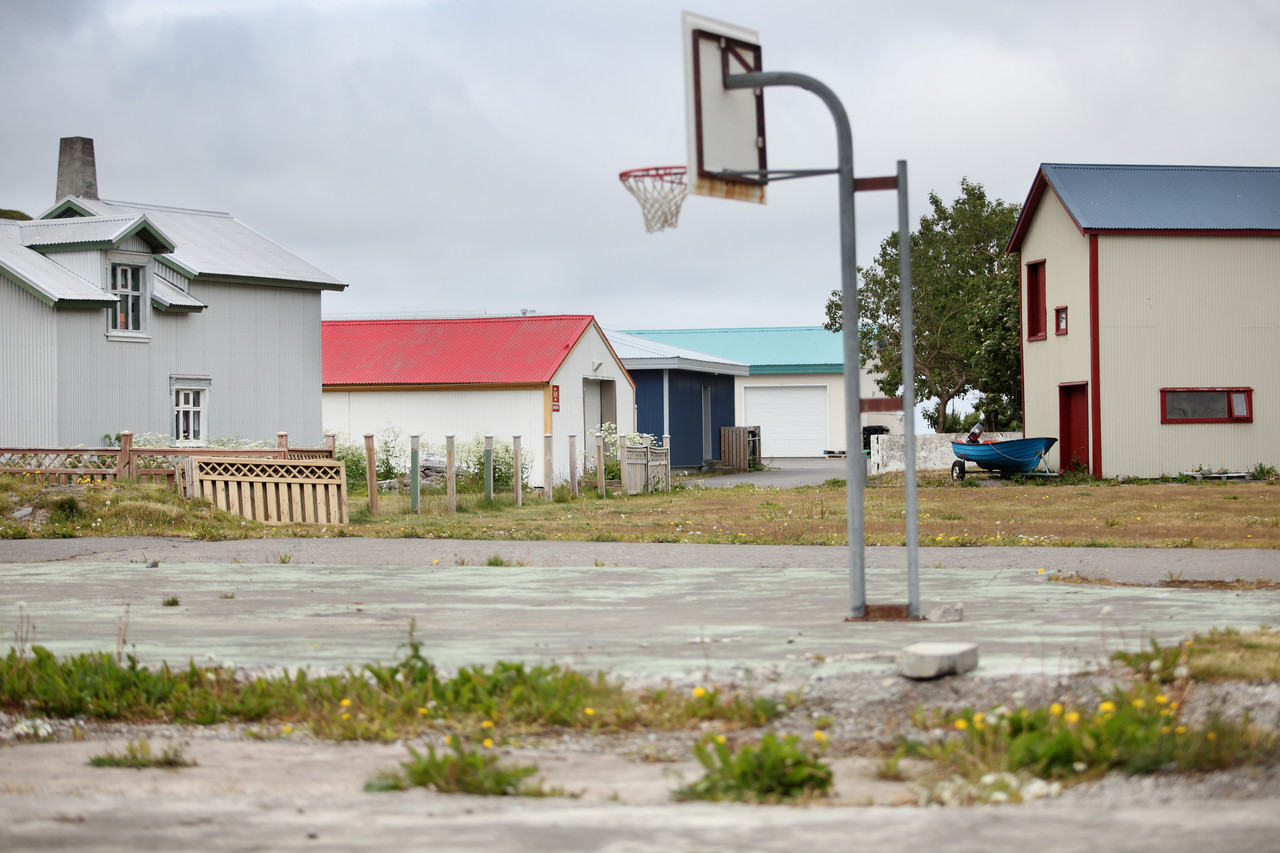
957,469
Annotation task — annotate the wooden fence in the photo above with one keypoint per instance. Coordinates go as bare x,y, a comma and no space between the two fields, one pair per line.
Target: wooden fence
63,466
646,468
740,447
273,491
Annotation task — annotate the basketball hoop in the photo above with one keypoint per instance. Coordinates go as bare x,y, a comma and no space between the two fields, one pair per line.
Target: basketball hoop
660,191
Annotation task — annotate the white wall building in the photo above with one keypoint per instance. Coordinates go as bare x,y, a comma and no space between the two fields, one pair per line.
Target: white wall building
528,376
1151,316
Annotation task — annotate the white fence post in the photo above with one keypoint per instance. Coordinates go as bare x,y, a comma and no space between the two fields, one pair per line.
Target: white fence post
600,463
548,470
451,474
573,464
515,469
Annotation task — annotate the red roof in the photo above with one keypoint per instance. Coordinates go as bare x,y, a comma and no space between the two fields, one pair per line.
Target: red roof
472,351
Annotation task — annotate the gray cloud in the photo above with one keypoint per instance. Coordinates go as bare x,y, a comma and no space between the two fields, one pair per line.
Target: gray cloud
464,155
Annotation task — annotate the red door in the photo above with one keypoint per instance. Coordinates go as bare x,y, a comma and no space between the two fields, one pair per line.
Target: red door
1073,426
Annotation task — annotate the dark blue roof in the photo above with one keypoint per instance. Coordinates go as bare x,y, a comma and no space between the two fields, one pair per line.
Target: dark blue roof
1168,197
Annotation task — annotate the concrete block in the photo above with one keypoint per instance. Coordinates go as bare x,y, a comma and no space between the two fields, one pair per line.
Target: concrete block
946,613
934,660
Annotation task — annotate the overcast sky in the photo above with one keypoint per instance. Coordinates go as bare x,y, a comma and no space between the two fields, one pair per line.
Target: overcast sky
462,155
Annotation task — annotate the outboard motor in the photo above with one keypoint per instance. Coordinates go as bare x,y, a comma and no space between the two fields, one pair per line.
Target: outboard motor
975,434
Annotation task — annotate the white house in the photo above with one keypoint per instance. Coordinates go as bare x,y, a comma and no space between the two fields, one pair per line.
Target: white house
529,376
1151,316
119,316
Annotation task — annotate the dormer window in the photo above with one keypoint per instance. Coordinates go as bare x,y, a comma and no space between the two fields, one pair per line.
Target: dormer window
130,316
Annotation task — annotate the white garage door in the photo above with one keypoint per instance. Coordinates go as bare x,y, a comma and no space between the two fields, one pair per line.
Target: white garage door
792,418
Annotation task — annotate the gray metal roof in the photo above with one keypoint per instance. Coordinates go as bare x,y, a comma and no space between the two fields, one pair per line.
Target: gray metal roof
1175,198
92,232
208,243
50,282
642,354
169,297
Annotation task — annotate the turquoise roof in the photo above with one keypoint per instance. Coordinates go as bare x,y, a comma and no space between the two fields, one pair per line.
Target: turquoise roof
777,349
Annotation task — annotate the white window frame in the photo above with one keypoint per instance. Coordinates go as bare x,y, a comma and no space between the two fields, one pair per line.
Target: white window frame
189,395
141,313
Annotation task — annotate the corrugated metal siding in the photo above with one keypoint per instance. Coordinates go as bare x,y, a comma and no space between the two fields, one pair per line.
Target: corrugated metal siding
1053,238
1188,312
135,244
686,414
86,264
649,404
260,347
29,364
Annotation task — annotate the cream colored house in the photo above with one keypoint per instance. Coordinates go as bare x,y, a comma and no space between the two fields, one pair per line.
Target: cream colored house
1151,317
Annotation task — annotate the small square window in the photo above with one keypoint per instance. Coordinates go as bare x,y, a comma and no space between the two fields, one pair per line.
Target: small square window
190,425
1060,320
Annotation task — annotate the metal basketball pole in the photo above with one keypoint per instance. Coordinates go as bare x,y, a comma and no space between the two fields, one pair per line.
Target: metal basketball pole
856,463
908,394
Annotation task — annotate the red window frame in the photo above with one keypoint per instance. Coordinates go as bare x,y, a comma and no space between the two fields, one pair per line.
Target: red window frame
1060,320
1239,410
1036,318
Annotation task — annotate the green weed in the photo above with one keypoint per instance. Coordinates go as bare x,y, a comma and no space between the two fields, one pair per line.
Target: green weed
464,770
138,754
774,771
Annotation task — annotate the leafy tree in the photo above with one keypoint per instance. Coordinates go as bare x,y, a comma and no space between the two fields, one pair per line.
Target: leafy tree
965,307
13,214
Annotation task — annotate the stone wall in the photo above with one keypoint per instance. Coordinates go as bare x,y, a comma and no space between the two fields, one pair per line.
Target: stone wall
933,451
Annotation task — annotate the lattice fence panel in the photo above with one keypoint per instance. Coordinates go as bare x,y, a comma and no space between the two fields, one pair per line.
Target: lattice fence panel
60,466
275,491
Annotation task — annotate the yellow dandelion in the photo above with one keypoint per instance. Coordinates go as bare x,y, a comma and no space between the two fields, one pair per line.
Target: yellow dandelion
961,725
487,724
1211,736
1182,730
699,692
487,743
1039,571
1072,717
1162,699
288,729
1139,704
978,718
1165,730
346,703
1056,709
345,715
720,739
1107,707
590,712
820,736
422,711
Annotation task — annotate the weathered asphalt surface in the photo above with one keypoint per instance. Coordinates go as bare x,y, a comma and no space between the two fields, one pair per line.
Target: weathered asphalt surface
664,609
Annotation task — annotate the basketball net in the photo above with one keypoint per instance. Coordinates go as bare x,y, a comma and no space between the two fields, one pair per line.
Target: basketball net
660,190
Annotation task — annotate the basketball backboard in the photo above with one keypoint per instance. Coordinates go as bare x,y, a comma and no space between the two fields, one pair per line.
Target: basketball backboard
725,126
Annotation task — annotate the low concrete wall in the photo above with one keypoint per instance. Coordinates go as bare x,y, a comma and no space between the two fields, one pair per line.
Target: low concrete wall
933,450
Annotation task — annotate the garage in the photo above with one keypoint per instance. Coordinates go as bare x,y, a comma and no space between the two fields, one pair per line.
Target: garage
792,418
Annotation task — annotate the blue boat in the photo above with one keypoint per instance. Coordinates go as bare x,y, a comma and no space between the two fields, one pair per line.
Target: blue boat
1016,456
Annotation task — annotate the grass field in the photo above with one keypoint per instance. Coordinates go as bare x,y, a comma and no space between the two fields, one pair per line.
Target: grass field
978,512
